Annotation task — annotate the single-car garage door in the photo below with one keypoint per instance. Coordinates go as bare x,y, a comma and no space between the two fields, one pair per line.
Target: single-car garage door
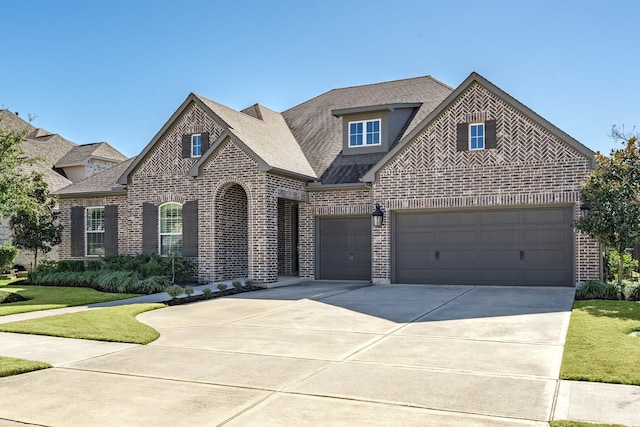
530,247
344,248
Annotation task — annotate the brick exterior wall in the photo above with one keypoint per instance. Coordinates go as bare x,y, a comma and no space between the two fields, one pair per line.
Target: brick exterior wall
230,191
529,167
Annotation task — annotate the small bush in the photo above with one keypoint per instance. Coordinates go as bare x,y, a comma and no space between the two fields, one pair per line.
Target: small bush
236,284
8,254
71,265
188,290
612,260
93,265
207,292
593,289
634,292
222,286
174,291
118,281
153,285
250,283
47,265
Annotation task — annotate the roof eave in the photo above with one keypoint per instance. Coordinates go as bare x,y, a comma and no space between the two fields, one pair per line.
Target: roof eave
317,186
104,193
370,108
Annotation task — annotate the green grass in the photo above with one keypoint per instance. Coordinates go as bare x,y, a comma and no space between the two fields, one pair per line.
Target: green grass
116,324
50,297
581,424
598,346
11,366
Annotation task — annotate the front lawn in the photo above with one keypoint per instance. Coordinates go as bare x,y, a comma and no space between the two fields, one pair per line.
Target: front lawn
49,297
116,324
12,366
581,424
599,347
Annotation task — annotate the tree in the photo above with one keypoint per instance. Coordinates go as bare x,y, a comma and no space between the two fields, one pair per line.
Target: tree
35,226
611,193
13,182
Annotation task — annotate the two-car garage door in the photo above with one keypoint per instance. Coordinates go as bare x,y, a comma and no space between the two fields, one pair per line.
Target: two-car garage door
532,247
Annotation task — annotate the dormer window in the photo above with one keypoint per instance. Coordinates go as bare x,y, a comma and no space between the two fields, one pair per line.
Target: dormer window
365,133
196,145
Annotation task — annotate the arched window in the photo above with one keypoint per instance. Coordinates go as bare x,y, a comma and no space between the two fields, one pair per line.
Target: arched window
170,229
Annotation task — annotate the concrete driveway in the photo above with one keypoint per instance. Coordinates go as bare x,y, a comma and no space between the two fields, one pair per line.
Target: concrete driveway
318,354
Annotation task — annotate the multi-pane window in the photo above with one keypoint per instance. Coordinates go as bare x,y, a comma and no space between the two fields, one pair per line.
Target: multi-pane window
363,133
196,145
170,229
476,136
94,231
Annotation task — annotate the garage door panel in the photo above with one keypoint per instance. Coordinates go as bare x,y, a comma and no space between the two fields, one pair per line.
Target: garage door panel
459,259
455,238
457,219
500,237
499,218
417,240
499,259
521,246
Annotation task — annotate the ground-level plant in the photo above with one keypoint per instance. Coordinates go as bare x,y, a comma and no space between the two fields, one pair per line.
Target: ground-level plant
599,346
12,366
116,324
50,297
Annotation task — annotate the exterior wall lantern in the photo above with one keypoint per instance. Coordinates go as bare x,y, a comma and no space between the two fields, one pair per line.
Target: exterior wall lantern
378,216
584,209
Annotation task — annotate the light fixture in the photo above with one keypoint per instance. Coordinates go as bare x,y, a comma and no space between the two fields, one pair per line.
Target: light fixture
378,216
584,209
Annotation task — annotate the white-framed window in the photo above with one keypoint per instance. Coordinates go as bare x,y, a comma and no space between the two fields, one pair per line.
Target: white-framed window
94,231
196,145
476,136
170,229
365,133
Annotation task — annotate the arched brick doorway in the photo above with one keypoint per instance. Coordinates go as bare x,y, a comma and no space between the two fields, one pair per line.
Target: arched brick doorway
231,252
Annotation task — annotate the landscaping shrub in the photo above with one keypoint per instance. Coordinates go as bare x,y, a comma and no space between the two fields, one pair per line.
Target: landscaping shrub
70,265
222,286
118,281
237,285
594,289
634,292
8,254
174,291
612,260
153,285
188,290
47,265
207,292
94,265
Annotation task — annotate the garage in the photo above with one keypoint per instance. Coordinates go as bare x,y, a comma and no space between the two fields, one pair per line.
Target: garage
344,248
525,246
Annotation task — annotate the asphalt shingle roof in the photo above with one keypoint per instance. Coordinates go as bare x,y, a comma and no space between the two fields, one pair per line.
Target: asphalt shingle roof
319,133
101,182
81,153
266,133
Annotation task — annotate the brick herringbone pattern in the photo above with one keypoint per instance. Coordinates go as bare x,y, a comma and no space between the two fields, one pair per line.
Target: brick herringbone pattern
166,157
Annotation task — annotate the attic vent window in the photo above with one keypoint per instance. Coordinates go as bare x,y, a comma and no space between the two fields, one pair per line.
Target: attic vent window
364,133
196,145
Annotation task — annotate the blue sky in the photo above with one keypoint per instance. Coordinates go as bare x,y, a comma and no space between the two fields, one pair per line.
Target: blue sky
116,70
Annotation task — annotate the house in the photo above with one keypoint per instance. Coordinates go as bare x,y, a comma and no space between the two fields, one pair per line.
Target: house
472,187
60,161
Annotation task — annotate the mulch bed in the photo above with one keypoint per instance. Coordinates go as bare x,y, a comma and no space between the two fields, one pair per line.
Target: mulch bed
202,297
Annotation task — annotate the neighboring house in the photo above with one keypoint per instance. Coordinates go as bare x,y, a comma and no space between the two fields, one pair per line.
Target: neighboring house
475,189
60,161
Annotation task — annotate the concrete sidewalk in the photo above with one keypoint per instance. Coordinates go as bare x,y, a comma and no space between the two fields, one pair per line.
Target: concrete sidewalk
320,354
